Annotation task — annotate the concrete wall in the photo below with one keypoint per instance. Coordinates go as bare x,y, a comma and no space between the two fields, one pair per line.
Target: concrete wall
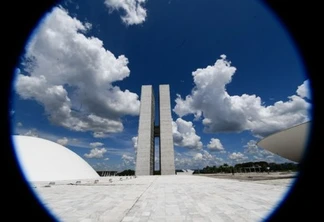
166,137
145,142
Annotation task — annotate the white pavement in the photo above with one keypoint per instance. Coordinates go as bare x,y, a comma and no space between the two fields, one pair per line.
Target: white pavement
162,198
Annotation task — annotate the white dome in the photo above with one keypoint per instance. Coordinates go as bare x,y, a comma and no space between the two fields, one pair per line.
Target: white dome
289,143
44,160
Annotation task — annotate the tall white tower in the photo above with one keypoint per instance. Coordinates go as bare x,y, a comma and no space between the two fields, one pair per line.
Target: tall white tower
147,131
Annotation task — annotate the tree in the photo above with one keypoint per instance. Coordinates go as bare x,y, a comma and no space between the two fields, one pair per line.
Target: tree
128,172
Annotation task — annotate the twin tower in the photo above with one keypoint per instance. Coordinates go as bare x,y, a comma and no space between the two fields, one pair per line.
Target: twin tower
147,131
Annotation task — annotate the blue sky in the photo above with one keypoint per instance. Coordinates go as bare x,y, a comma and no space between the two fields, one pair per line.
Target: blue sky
234,72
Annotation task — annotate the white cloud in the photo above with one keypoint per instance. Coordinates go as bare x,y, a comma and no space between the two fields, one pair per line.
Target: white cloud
31,132
184,135
127,160
221,112
304,90
260,154
63,141
96,153
251,147
102,165
198,156
72,76
195,160
96,144
19,124
119,152
134,11
134,140
99,135
106,158
237,156
215,145
77,142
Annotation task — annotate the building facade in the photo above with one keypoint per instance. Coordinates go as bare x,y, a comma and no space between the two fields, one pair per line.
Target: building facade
147,131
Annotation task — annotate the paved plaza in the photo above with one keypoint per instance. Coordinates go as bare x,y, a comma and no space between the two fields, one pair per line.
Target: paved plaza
163,198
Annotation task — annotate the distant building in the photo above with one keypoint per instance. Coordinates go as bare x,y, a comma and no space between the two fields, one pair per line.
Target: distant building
147,131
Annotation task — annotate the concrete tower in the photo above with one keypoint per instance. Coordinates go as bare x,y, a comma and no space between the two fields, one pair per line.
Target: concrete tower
147,131
145,140
166,138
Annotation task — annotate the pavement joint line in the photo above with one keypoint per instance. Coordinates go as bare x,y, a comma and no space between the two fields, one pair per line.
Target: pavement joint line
139,198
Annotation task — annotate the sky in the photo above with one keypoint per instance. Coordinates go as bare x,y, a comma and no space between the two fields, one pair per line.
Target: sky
235,76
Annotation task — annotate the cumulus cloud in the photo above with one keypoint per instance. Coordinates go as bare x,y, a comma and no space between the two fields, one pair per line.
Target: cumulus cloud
19,124
304,90
198,156
215,145
221,112
133,9
31,132
184,135
63,141
261,154
128,160
76,142
251,147
194,160
134,140
72,76
96,153
99,135
102,166
237,156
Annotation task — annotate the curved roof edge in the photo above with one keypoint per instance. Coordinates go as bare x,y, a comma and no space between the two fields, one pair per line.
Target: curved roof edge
290,143
44,160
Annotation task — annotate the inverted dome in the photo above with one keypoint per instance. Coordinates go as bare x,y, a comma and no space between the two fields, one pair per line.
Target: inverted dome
289,143
44,160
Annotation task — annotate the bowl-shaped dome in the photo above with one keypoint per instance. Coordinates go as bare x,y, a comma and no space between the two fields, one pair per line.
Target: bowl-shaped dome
289,143
44,160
